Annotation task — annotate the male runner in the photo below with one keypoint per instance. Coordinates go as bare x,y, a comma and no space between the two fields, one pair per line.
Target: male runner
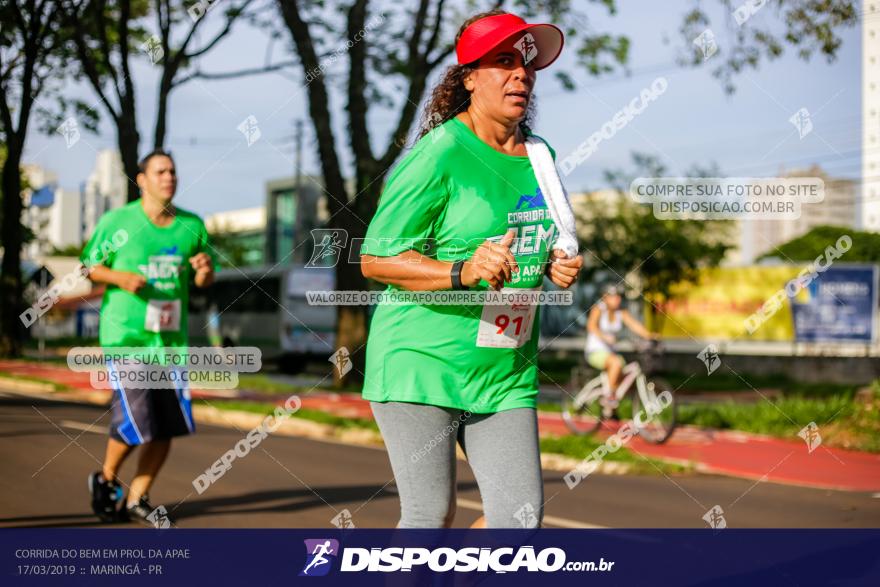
145,306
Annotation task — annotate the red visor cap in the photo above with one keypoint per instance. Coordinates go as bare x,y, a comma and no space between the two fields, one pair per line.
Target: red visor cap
481,37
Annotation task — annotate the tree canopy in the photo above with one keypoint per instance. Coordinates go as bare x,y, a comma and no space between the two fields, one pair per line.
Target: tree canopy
812,244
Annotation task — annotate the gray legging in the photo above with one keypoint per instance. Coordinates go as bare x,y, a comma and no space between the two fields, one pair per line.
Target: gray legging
502,449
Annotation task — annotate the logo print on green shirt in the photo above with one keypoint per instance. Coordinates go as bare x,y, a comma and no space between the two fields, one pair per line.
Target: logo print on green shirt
534,201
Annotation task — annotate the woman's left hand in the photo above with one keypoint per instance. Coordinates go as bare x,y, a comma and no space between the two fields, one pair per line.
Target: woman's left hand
564,271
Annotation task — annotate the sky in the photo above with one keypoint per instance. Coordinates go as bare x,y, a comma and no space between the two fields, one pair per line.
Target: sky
693,122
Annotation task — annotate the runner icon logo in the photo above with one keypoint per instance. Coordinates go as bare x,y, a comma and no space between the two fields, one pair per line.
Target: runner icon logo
802,122
526,45
319,556
715,518
810,434
343,520
159,518
526,516
710,358
341,360
705,42
328,244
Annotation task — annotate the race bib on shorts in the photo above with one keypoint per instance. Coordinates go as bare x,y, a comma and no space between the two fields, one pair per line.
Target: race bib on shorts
507,326
162,316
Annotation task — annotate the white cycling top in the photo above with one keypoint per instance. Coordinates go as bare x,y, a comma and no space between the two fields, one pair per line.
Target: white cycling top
606,326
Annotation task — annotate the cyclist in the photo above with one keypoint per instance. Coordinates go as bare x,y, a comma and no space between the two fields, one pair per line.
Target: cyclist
605,323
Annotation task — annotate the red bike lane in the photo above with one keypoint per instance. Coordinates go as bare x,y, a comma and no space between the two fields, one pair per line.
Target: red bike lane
724,452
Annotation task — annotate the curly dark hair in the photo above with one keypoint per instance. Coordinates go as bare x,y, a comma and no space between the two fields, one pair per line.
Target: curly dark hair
449,97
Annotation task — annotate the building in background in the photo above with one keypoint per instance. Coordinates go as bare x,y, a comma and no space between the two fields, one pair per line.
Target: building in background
61,218
239,236
749,239
52,214
294,206
840,207
581,202
869,211
105,189
277,233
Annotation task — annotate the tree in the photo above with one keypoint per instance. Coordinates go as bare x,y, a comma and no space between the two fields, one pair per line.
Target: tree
108,34
865,245
68,251
228,245
626,239
386,63
31,56
389,67
811,27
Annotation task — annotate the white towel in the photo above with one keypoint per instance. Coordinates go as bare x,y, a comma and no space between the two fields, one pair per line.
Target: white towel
555,196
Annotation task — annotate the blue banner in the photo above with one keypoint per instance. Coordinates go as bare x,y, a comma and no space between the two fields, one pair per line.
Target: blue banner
428,557
838,305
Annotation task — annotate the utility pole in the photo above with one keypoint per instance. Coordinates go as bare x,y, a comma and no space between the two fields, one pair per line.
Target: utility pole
299,201
298,124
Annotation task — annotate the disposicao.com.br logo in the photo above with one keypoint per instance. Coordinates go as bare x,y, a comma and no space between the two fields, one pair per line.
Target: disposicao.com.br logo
441,560
319,556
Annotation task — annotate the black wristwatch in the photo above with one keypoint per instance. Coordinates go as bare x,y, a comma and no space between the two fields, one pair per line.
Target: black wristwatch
456,275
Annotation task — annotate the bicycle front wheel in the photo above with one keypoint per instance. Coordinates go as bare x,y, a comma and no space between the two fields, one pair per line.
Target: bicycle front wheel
582,412
654,409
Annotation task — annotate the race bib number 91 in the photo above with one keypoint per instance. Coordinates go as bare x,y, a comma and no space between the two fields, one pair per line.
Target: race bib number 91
506,326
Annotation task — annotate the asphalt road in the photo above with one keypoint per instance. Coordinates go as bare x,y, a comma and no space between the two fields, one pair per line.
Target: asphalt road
48,448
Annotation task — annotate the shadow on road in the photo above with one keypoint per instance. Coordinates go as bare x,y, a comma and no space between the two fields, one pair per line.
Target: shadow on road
60,521
288,501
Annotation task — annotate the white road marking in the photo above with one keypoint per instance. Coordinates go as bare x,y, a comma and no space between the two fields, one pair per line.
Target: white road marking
463,503
551,520
84,427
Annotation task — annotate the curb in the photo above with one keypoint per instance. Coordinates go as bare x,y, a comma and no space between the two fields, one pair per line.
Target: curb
565,464
26,386
301,428
238,419
291,426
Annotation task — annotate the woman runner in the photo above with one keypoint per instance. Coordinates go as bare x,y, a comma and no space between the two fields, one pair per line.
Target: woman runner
463,210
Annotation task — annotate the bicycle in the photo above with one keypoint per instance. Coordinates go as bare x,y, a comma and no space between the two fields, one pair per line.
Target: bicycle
584,411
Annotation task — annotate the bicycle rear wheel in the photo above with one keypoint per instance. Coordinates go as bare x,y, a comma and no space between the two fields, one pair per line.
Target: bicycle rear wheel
655,407
581,410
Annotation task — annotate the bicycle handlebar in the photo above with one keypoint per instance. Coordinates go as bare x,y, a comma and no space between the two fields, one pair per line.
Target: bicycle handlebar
652,346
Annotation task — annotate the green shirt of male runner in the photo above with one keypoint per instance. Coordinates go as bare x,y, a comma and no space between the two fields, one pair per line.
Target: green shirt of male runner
144,306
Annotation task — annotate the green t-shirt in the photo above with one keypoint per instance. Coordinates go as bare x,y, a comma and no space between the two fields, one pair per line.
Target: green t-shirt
126,240
444,199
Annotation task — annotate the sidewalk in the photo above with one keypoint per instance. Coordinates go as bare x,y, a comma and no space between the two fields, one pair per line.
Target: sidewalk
733,453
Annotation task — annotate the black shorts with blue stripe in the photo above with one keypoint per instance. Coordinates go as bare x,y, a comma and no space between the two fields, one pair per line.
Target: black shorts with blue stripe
144,415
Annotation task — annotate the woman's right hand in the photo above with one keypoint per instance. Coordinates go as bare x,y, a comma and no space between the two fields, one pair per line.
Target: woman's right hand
491,261
132,282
